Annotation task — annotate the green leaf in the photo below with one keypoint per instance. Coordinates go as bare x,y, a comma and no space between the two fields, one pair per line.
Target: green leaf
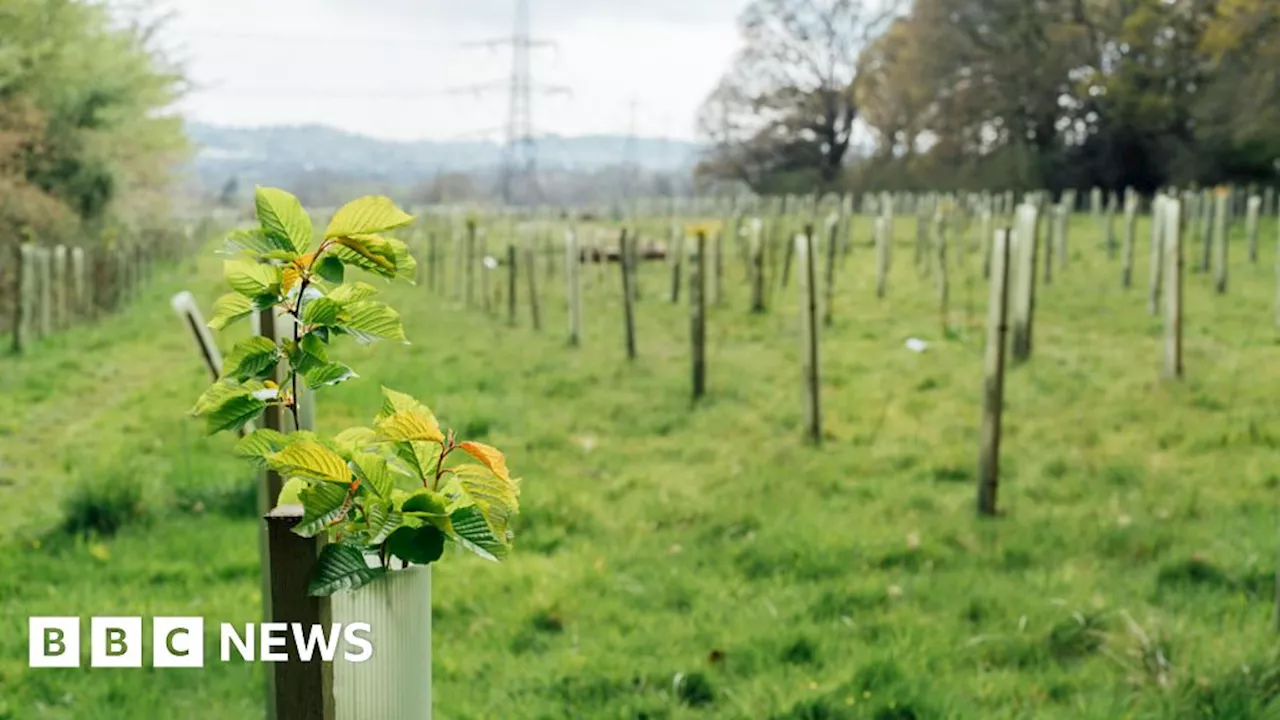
253,358
365,216
321,311
423,545
352,440
382,522
368,252
310,460
257,245
341,567
261,443
230,308
329,374
331,269
373,472
282,218
228,405
322,505
352,292
421,457
252,279
472,531
291,493
369,320
426,502
496,498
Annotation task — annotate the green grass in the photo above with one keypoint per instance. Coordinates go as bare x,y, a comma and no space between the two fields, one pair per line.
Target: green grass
689,562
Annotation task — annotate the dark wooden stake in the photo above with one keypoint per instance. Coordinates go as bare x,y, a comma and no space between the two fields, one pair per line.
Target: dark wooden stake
297,690
626,258
698,317
993,369
809,323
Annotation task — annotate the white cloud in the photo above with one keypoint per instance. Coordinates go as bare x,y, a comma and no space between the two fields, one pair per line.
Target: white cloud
286,62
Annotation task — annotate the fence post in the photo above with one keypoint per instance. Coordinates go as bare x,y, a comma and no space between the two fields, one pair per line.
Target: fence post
531,279
1251,226
79,281
993,370
46,292
829,270
940,250
61,289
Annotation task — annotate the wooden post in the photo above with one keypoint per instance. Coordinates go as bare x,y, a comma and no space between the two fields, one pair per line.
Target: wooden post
572,265
803,245
1064,232
985,233
1220,240
297,690
1054,220
829,299
698,316
1251,226
788,253
1130,230
625,259
469,263
486,292
511,284
185,306
1026,243
1171,210
993,370
433,264
531,280
677,251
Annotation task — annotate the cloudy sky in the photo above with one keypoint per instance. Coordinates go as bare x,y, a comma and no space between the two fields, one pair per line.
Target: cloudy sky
384,67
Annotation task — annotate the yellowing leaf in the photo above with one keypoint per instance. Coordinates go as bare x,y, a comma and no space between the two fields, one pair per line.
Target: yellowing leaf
409,426
490,456
308,459
365,216
289,276
373,248
498,499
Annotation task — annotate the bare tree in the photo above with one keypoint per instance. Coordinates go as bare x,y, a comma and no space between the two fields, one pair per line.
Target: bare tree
787,104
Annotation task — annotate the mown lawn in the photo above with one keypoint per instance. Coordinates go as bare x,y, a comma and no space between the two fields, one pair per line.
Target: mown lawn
689,562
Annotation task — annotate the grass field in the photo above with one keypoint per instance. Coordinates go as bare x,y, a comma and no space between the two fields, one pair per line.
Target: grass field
681,562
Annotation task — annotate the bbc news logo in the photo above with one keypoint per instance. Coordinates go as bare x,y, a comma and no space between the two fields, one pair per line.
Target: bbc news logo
178,642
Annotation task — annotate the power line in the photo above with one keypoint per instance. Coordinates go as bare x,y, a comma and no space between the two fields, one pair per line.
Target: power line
519,179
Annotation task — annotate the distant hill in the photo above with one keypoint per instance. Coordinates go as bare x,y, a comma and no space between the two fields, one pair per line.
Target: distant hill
277,154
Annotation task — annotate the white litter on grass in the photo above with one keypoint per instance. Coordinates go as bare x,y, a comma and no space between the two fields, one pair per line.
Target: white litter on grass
490,262
917,345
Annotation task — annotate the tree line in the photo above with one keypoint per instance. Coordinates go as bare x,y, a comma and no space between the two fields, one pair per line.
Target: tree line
1018,94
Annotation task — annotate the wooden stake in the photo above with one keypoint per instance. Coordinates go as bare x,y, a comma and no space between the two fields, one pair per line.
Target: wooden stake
698,317
469,263
993,369
531,280
511,284
573,263
882,257
626,258
944,289
809,324
297,690
677,251
1155,287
